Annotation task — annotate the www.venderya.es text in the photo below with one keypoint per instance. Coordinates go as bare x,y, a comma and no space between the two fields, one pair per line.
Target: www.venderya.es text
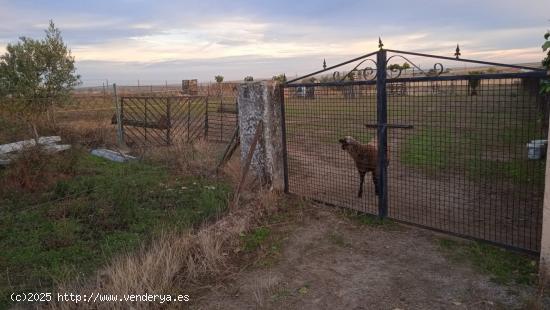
94,297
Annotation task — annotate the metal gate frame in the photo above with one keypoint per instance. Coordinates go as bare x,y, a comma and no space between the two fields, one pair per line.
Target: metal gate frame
163,120
392,75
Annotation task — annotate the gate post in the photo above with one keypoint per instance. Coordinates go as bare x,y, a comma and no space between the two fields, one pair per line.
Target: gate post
260,101
281,90
544,261
118,113
382,134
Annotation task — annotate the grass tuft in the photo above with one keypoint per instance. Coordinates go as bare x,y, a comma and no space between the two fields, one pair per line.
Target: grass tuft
504,267
370,220
254,239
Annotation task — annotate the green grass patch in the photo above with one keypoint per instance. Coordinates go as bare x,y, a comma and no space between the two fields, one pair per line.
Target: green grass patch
503,266
519,132
526,172
84,219
370,220
428,148
254,239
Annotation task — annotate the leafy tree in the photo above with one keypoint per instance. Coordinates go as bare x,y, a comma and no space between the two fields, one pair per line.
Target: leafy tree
248,79
219,80
545,85
35,75
405,66
394,67
474,81
281,78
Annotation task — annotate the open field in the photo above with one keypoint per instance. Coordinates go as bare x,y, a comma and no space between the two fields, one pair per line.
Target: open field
463,166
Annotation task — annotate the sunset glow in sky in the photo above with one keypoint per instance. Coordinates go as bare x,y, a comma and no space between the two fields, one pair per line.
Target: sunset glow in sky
154,41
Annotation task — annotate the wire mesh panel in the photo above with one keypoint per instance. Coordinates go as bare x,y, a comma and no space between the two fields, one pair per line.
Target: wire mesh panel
465,149
222,113
464,166
86,110
316,118
154,121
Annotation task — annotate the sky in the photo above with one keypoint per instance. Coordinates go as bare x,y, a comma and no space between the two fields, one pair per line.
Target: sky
125,41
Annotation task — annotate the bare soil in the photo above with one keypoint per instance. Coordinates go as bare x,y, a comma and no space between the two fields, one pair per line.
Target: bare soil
328,261
496,211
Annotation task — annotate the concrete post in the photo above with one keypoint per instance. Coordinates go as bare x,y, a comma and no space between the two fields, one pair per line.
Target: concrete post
261,101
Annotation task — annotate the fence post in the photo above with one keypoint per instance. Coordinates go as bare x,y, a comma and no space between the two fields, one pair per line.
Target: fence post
259,102
382,134
118,107
281,90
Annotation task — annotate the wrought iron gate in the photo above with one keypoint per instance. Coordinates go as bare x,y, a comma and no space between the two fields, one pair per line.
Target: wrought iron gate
456,150
163,120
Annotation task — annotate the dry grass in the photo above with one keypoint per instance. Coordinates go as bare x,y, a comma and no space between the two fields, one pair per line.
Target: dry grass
89,134
537,300
34,170
178,262
172,263
264,287
198,159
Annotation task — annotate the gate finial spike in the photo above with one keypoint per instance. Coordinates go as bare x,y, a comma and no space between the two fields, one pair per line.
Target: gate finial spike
457,51
324,64
380,44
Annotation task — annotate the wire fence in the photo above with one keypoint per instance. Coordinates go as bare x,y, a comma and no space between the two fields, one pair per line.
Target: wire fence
88,115
465,153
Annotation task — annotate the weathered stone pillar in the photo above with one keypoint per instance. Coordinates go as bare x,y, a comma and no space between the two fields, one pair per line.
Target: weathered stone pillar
260,101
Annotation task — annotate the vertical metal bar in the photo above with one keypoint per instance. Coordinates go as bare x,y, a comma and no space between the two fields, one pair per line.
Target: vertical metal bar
382,134
168,122
206,120
221,117
283,136
188,120
118,111
146,120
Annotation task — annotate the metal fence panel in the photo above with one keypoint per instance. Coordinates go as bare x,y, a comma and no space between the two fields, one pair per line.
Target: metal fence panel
457,149
463,167
316,120
157,121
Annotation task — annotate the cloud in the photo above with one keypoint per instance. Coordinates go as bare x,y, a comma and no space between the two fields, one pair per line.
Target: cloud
272,37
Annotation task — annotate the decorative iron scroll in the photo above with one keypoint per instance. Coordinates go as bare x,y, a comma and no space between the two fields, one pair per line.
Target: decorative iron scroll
393,71
366,73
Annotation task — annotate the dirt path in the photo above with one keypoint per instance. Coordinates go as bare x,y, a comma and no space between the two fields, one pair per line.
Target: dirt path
328,261
496,211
